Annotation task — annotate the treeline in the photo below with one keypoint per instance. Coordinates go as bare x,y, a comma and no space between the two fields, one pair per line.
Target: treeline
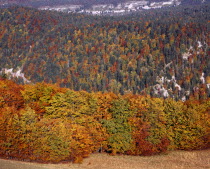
127,54
46,123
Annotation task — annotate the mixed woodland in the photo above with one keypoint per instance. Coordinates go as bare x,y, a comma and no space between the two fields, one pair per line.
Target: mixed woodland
103,84
163,52
45,123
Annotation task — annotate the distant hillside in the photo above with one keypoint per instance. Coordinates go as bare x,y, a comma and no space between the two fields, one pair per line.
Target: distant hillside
39,3
162,52
100,7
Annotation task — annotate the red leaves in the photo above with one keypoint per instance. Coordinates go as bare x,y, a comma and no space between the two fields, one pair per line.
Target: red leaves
10,94
152,125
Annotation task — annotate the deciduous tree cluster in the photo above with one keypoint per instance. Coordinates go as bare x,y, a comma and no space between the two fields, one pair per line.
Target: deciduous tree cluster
46,123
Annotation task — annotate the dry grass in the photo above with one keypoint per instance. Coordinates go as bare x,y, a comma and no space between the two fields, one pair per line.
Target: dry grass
172,160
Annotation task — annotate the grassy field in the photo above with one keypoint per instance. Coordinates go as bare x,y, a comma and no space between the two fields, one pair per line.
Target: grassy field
172,160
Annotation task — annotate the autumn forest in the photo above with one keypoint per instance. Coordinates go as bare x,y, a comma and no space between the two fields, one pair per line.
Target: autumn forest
163,53
46,123
137,84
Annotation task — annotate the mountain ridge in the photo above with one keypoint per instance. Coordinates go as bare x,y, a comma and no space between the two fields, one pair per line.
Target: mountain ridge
109,7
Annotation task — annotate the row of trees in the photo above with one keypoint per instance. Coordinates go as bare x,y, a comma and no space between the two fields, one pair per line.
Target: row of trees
124,54
46,123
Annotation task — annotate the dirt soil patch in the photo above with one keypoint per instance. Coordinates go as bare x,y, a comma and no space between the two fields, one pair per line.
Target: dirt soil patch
172,160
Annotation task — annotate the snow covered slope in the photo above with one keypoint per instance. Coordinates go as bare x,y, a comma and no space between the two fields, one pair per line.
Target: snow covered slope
100,7
110,9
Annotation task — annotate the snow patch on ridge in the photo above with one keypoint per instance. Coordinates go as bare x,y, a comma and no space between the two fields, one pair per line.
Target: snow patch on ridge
13,74
200,44
159,89
202,78
110,9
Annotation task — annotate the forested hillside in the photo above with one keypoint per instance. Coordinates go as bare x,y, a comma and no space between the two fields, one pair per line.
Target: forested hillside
73,84
163,53
46,123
